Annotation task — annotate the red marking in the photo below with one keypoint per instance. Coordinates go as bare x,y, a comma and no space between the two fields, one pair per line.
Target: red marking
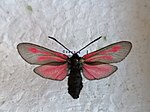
43,58
89,55
112,50
50,58
60,55
44,52
35,50
107,57
98,58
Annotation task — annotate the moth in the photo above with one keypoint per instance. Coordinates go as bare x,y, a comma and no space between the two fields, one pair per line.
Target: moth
56,66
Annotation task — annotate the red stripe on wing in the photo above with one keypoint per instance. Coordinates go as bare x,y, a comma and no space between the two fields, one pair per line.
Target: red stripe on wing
105,57
36,50
111,50
45,58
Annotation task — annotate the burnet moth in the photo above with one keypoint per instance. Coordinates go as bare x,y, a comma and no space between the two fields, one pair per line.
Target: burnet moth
56,66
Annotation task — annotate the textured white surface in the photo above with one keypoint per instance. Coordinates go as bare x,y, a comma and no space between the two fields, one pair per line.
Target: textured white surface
74,23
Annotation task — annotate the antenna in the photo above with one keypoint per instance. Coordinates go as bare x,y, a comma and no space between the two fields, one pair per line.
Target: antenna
89,44
60,43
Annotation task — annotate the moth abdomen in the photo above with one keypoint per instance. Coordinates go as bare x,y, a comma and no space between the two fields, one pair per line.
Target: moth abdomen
74,84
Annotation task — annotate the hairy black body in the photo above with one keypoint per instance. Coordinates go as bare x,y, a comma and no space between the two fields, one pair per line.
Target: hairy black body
75,79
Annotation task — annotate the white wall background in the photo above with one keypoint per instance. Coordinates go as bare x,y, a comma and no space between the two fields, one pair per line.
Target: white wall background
75,23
